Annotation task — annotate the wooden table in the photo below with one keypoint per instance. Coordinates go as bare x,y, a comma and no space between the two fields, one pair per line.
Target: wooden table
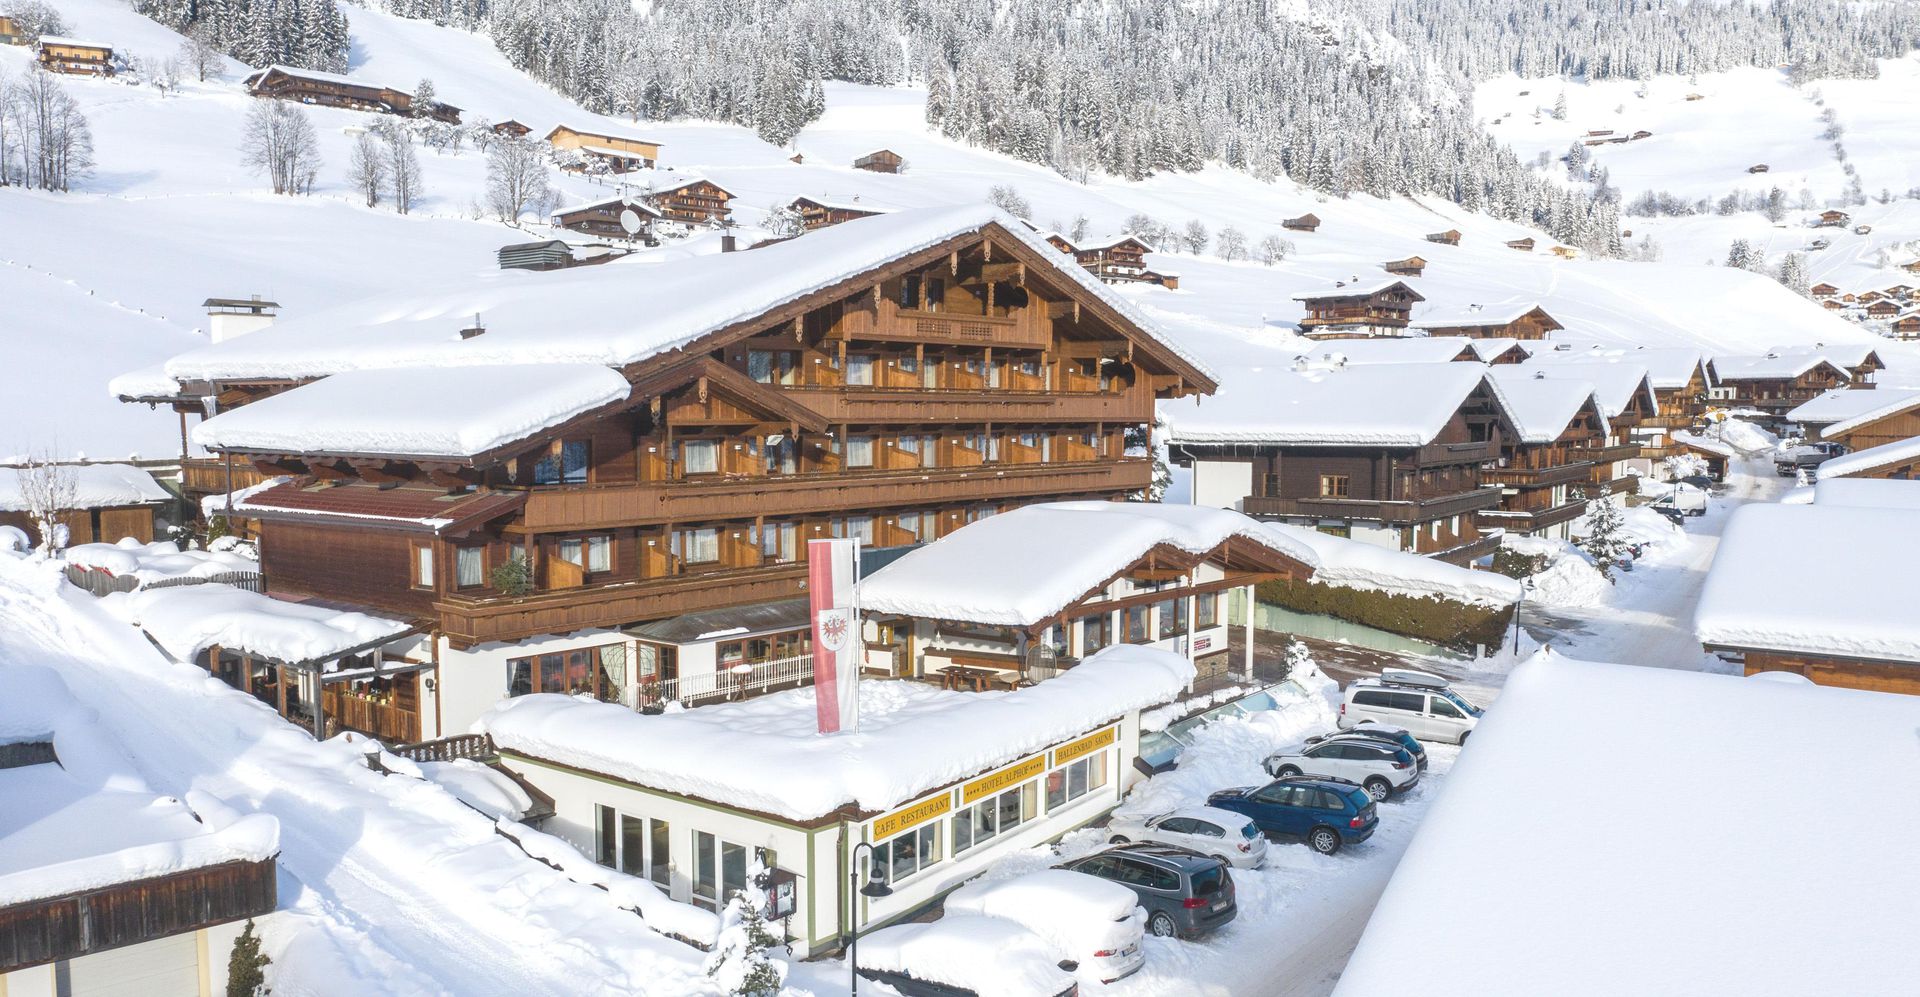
954,676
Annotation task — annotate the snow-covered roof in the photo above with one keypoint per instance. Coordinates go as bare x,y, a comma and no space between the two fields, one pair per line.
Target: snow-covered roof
633,201
96,486
1356,564
1388,349
1699,442
75,42
147,382
1893,401
1769,366
766,754
1517,883
1108,242
1897,452
613,315
1615,384
1882,493
986,571
1847,402
1668,367
856,205
157,561
1843,354
654,181
90,821
1541,406
1815,579
1401,405
315,74
187,619
1478,316
1353,289
456,412
1489,347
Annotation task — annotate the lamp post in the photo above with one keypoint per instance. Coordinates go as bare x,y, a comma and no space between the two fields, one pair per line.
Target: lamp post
874,889
1526,585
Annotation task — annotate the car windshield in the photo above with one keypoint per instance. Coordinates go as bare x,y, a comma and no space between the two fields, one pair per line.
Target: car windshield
1457,700
1207,881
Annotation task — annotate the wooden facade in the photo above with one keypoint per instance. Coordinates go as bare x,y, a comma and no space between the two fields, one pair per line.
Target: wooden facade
1305,223
602,218
1838,671
1833,219
1523,245
618,153
1779,395
1896,427
1532,325
880,161
1412,266
74,57
1450,237
816,214
107,524
695,202
897,405
511,129
1121,260
1364,310
330,90
1823,291
38,932
1545,485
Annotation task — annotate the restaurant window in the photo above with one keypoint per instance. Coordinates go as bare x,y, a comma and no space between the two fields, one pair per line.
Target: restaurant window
1137,624
1075,779
699,546
860,368
1206,609
565,464
859,451
699,457
771,647
1334,486
600,672
905,854
994,816
720,870
423,566
1095,633
1173,617
469,566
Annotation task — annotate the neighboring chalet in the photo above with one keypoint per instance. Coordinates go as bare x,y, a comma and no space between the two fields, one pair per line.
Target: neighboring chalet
1450,237
1565,252
1906,326
1627,401
1774,383
1305,223
310,86
1842,406
1861,362
818,213
1823,291
880,161
1911,266
12,32
1523,321
684,198
1885,308
1523,245
75,57
110,503
1680,382
1115,259
618,153
1833,218
1895,420
1546,464
603,218
1412,266
1389,454
603,451
1869,297
1354,309
511,129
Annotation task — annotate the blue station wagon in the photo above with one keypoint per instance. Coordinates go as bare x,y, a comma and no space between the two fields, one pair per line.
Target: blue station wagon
1326,813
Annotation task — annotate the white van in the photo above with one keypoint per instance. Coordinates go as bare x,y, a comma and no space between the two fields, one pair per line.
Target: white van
1422,703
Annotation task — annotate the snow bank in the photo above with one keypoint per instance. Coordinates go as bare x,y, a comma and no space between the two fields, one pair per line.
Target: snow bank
1347,563
1372,404
766,754
1519,882
1742,436
985,572
1708,444
1884,493
188,619
95,486
986,955
483,788
1819,579
416,411
662,913
1568,581
152,562
1075,913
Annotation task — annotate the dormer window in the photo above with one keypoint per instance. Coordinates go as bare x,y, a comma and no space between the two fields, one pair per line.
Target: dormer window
565,464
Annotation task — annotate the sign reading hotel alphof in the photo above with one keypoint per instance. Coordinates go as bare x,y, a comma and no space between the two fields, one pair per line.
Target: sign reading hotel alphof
913,816
1085,746
1012,775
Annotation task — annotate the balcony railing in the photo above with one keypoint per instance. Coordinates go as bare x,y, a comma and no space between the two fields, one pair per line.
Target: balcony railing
974,405
1538,477
1474,452
1392,513
473,619
737,682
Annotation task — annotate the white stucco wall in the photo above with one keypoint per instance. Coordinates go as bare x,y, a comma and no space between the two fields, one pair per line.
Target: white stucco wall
1222,483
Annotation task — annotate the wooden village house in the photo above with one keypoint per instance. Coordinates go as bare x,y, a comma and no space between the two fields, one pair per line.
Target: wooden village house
818,213
1833,218
880,161
511,129
1546,465
1525,321
1523,245
12,32
75,57
1627,400
1357,309
310,86
1412,266
110,502
1116,259
603,218
1773,383
618,153
1450,237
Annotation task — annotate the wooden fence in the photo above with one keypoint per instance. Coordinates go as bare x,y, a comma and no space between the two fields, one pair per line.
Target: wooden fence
478,747
100,583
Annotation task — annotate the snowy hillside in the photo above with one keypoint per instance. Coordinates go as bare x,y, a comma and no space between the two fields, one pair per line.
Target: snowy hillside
173,217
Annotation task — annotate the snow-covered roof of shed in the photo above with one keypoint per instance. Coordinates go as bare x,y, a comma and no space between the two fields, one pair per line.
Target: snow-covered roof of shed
96,486
1479,316
614,315
1399,405
1741,367
187,619
1881,493
1689,917
1353,289
1613,383
1847,402
1814,579
985,572
1540,406
766,754
1897,452
1389,349
456,412
1893,401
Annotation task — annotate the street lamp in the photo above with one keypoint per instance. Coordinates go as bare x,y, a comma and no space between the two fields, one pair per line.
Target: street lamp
1526,585
874,889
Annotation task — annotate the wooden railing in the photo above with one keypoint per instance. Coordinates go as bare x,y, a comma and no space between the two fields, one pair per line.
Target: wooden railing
469,620
718,686
207,476
478,747
1538,477
952,406
1396,513
386,721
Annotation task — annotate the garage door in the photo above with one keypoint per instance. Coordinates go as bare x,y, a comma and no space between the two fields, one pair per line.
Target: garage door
167,967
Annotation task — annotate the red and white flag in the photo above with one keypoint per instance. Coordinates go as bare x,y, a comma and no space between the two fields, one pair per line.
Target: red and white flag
833,592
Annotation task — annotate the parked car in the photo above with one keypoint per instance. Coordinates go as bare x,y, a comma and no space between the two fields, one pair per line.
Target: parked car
1086,920
1424,704
1379,768
1328,814
965,954
1806,456
1704,482
1223,834
1185,893
1381,732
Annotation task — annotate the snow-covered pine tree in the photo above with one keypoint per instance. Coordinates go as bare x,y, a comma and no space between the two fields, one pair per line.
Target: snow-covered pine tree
1792,274
1604,540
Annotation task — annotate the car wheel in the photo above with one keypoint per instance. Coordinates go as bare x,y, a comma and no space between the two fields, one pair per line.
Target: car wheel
1379,789
1161,925
1286,771
1324,840
1118,839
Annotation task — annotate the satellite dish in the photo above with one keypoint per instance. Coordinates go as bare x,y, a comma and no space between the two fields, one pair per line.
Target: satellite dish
630,221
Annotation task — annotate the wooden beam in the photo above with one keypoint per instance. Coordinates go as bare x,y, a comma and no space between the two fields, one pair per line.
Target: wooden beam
330,470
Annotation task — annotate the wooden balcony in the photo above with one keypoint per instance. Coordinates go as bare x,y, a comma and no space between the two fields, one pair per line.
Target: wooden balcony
598,506
1457,453
973,407
1538,477
1609,454
1390,513
208,475
469,620
1529,520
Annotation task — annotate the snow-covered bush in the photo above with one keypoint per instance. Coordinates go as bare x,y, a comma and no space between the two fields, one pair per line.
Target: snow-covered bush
739,961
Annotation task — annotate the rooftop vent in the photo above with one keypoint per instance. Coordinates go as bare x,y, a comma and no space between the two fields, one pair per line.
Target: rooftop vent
475,329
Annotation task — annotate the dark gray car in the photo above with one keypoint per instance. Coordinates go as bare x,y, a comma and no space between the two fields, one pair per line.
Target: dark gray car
1186,894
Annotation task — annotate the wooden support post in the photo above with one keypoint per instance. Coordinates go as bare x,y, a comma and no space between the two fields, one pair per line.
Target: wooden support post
1247,651
319,709
281,688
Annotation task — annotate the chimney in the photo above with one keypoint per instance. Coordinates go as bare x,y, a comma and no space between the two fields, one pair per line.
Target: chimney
727,243
477,328
230,318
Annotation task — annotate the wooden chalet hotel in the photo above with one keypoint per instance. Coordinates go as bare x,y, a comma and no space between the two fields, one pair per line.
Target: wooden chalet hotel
590,487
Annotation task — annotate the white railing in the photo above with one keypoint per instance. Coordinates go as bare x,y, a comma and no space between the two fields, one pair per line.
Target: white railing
730,684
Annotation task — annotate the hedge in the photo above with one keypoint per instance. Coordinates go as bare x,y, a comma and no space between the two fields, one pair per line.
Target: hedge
1429,618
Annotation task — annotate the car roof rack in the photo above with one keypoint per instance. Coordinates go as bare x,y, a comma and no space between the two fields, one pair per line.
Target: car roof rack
1409,677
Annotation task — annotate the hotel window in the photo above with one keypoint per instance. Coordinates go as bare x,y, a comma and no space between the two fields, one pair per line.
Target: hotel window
1095,633
565,464
637,846
860,368
1206,608
597,671
779,541
591,553
994,816
1076,779
772,367
910,292
719,870
699,457
1173,617
905,854
423,566
699,546
1137,624
860,527
1334,486
936,293
469,566
859,451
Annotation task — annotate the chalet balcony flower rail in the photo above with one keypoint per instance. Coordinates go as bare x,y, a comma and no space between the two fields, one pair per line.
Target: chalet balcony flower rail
737,682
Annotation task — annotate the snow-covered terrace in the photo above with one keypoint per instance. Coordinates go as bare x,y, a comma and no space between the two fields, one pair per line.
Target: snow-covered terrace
1400,405
1519,882
1814,579
766,754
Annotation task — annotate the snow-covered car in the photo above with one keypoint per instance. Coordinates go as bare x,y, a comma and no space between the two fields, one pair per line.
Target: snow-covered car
1222,834
1807,456
963,954
1380,768
1085,920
